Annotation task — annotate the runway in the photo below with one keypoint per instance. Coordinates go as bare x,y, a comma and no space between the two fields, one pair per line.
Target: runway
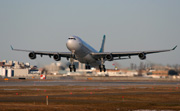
82,83
68,95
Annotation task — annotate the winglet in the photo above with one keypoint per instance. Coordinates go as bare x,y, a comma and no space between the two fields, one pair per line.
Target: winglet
103,42
174,47
12,48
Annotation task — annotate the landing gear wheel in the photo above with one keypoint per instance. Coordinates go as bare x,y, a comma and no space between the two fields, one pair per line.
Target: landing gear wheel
102,68
72,68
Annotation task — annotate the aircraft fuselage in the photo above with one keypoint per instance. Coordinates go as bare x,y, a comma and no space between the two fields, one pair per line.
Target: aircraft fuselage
82,51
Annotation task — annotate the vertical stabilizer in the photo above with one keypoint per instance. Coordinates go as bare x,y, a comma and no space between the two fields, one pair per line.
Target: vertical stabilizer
102,45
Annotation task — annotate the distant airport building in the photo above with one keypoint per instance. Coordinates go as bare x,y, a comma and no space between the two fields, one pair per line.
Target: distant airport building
117,72
16,69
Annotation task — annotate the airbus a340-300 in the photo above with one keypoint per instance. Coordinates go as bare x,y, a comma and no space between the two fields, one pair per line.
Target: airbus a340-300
84,53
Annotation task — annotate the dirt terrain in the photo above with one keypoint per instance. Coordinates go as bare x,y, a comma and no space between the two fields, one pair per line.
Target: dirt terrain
90,98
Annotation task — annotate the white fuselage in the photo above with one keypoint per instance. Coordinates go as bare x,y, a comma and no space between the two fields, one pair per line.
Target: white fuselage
82,51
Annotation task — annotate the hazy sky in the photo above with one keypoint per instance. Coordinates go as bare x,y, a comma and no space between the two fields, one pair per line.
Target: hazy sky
129,25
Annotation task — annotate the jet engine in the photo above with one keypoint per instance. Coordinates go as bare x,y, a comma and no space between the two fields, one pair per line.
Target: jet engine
57,57
32,55
142,56
109,57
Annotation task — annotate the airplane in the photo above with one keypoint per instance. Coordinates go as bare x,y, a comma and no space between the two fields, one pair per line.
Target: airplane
84,53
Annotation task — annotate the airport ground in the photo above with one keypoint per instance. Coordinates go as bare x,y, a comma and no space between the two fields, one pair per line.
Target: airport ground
74,95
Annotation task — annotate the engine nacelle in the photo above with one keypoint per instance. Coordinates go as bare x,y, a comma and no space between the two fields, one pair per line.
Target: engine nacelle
109,57
142,56
32,55
57,57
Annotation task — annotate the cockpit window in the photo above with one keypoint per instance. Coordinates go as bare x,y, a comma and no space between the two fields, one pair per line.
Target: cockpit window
72,38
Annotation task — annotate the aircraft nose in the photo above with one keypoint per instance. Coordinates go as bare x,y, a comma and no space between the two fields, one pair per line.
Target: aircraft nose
72,45
69,44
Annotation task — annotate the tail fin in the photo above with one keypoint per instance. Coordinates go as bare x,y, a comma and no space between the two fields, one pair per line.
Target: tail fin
103,42
12,47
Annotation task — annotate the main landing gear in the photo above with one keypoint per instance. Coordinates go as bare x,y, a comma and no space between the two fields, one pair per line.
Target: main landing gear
102,66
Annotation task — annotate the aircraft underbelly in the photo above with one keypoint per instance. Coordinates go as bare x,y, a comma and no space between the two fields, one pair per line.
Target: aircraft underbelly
83,55
86,59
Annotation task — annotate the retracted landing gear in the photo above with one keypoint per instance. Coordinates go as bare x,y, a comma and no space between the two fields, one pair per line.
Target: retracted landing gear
102,66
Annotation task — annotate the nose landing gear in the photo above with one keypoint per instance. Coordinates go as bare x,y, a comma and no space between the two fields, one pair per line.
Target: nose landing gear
72,66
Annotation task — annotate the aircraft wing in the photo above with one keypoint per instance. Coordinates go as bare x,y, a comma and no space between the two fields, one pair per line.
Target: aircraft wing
119,55
49,53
